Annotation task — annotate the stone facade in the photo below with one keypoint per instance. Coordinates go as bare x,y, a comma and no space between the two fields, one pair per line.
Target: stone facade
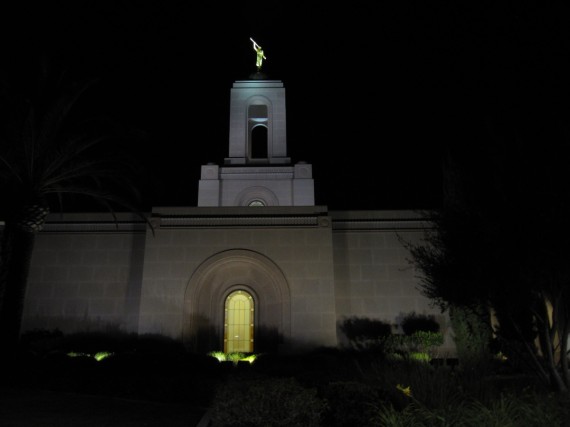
85,274
306,268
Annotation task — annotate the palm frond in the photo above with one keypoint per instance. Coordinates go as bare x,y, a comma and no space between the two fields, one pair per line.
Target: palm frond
12,170
57,113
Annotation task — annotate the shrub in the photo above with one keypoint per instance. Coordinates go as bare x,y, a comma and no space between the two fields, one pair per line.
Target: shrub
364,333
434,386
418,346
350,403
267,402
40,342
91,342
413,323
528,410
472,337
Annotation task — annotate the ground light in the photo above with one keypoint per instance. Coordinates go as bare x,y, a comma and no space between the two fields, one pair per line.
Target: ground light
97,356
233,357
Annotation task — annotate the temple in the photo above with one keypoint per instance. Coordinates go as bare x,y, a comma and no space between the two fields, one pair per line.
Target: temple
254,266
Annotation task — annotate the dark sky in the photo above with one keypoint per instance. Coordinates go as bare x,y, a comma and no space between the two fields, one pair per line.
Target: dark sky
376,91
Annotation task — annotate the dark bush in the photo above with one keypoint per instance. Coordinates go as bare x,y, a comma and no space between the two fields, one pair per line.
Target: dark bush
94,342
364,333
155,343
98,341
40,342
419,322
350,403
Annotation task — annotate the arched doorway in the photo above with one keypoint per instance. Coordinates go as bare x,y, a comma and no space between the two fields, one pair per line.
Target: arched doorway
216,279
239,322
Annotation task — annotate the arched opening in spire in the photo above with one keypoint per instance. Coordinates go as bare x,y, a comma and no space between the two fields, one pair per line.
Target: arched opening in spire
259,142
258,136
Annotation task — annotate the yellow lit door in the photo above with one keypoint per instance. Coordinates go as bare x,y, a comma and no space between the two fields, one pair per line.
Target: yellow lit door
238,324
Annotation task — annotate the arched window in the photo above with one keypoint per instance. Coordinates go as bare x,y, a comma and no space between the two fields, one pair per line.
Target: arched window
238,323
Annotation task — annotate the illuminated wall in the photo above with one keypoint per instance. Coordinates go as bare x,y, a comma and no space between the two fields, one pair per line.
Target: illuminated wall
305,268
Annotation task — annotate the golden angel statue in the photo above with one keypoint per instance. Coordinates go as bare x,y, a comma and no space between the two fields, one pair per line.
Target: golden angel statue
260,54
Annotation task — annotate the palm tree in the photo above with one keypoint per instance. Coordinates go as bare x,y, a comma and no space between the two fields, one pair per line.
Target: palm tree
44,161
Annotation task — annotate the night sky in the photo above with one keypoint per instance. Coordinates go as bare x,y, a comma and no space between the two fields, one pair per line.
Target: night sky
376,93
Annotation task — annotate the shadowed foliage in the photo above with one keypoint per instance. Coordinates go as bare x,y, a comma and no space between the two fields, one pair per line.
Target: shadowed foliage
364,333
49,156
419,322
500,242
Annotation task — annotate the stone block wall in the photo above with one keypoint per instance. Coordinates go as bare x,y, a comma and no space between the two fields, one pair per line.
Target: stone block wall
85,279
373,276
